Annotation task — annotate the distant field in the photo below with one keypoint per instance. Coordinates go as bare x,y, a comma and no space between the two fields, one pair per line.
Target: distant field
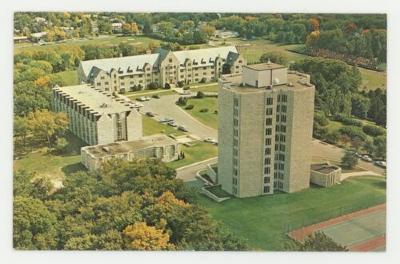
253,49
102,40
198,152
265,220
208,118
69,77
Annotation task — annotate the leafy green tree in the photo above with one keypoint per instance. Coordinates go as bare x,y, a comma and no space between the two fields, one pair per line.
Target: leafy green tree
275,57
34,227
349,160
318,242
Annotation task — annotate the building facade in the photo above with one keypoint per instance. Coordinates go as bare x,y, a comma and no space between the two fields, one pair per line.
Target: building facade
161,68
157,146
265,130
95,116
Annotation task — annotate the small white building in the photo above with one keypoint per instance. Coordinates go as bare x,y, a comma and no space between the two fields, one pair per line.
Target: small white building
325,174
157,146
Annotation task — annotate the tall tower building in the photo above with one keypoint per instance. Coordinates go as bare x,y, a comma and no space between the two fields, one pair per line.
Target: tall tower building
265,130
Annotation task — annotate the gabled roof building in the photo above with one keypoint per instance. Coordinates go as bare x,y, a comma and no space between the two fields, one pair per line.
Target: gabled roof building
161,68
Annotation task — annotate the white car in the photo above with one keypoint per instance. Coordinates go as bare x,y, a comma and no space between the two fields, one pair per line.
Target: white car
380,163
366,158
211,140
172,123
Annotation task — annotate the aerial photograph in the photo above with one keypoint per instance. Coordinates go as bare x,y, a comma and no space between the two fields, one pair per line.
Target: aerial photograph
199,131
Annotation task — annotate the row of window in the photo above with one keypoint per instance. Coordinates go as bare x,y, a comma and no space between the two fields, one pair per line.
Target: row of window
281,118
281,108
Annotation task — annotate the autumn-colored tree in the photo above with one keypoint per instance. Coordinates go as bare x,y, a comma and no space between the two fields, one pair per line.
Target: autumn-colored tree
46,125
130,28
42,81
143,237
209,30
312,38
315,24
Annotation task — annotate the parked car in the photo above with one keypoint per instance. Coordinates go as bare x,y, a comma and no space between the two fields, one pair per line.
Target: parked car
172,123
150,114
147,98
366,158
166,120
358,154
211,140
143,98
380,163
182,128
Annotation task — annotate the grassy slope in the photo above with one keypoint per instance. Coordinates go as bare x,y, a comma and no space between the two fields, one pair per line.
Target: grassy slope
264,220
151,127
69,77
200,151
208,118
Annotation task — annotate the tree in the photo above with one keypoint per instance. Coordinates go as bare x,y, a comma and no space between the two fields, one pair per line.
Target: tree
61,145
207,29
275,57
349,160
318,242
359,105
380,146
34,226
21,128
46,125
144,237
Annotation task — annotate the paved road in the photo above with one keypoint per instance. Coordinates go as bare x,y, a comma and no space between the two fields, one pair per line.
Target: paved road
166,107
188,173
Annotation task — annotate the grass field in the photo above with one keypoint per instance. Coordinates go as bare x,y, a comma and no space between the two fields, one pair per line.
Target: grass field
205,88
208,118
151,127
253,49
102,40
51,165
264,221
69,77
198,152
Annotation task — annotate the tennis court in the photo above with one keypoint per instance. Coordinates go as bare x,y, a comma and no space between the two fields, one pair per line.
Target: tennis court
363,230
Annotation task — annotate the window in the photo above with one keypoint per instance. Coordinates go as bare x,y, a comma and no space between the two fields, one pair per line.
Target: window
283,128
266,189
276,147
267,170
268,151
283,118
148,75
283,138
102,77
235,172
235,102
269,101
284,98
235,142
267,179
268,121
267,161
284,108
204,68
235,152
277,128
279,97
277,118
234,190
268,131
106,83
235,162
275,175
281,166
267,141
282,147
181,70
268,111
170,60
235,132
234,181
235,122
98,84
212,72
278,108
181,76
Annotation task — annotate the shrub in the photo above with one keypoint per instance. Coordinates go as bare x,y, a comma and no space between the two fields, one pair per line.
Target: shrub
156,96
186,87
122,91
167,86
152,86
216,112
349,160
189,107
181,84
181,101
347,120
61,145
353,132
139,87
321,119
204,110
203,80
200,94
373,131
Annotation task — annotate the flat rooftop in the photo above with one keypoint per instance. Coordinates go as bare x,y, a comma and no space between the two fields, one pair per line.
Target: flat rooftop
324,168
295,80
123,147
96,100
264,66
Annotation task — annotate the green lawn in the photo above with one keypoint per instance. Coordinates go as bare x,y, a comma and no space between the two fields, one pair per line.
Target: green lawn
208,118
151,127
264,221
372,79
107,41
52,165
69,77
205,88
198,152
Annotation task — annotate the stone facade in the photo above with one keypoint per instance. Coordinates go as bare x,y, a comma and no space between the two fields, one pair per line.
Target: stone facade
325,174
95,116
156,146
161,68
265,131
